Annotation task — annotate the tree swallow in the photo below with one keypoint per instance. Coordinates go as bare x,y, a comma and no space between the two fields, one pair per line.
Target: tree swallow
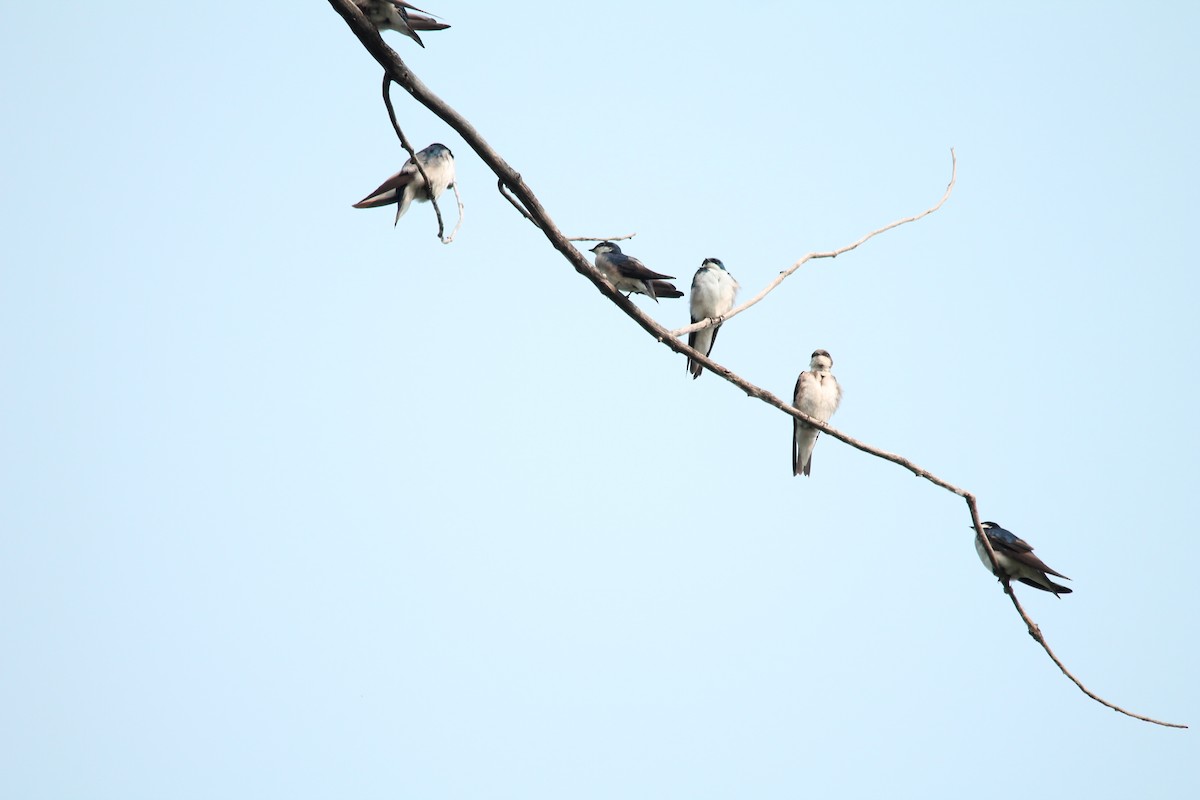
396,15
1016,558
818,395
713,290
630,275
407,185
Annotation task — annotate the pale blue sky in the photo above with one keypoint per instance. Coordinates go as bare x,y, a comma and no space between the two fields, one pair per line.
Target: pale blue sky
295,504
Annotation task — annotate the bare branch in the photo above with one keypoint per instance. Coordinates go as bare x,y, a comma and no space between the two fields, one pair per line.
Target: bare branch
515,204
387,101
457,225
785,274
509,180
507,195
601,238
1036,633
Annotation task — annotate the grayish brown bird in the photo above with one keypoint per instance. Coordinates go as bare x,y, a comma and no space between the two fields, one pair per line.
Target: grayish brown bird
818,395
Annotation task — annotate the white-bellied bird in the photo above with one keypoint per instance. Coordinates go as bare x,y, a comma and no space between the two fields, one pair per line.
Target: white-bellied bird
713,292
1015,557
630,275
407,185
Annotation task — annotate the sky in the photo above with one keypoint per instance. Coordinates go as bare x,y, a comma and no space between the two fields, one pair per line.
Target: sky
295,503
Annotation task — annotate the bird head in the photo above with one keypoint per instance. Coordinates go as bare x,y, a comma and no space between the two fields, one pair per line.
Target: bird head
821,360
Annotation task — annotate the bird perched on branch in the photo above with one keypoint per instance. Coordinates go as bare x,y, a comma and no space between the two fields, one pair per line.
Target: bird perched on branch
630,275
396,15
713,291
1015,557
407,185
817,395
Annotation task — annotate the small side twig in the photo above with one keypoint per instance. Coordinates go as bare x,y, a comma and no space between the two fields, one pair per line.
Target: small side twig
601,238
387,101
785,274
507,195
457,225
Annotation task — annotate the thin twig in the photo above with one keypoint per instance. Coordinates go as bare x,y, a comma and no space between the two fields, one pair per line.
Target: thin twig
517,205
457,225
785,274
1038,637
387,101
508,196
508,177
601,238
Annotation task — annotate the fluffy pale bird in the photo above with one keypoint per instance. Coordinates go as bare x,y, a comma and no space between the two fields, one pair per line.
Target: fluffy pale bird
817,395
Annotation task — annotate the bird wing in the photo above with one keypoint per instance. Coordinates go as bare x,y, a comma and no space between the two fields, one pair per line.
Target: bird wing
801,433
806,385
419,23
389,190
630,267
1018,550
406,7
1049,585
664,289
